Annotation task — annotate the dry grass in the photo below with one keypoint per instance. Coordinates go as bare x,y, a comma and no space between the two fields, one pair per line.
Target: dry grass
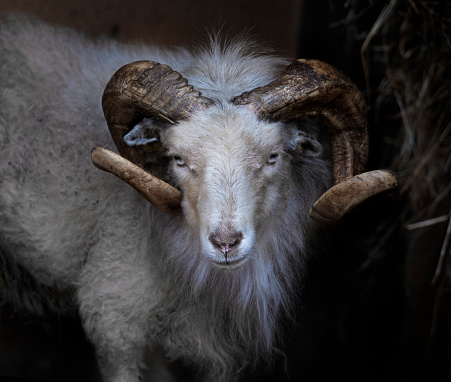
409,45
406,56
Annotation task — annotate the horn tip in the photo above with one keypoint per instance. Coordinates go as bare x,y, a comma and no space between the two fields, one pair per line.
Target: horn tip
342,198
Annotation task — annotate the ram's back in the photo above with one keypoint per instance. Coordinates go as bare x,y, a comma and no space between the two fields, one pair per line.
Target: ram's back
53,201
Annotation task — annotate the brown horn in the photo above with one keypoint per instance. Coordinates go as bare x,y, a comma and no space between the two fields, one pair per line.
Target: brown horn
314,88
144,89
345,196
162,195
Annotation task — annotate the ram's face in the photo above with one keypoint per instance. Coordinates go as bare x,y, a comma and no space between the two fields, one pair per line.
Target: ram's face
230,168
234,172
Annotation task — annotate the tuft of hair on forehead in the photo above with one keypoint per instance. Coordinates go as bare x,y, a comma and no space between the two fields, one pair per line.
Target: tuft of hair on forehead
225,67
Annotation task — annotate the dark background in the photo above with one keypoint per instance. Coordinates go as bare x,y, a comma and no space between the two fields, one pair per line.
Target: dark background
366,313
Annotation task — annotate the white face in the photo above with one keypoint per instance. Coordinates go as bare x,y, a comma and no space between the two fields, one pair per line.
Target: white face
235,175
233,172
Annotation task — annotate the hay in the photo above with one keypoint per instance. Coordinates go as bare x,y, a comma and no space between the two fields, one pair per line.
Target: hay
415,50
406,56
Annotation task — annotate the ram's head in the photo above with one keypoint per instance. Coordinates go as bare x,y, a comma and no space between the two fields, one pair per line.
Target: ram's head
147,89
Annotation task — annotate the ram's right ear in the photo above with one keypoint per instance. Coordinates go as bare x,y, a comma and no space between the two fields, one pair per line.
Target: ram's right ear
145,137
144,132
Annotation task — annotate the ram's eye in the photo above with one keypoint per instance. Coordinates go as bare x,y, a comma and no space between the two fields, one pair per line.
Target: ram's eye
178,160
273,158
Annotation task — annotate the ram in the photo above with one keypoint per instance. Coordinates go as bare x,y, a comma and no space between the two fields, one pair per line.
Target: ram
231,164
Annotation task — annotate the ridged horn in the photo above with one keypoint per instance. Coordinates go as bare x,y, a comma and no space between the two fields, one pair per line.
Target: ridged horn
347,195
314,88
162,195
145,89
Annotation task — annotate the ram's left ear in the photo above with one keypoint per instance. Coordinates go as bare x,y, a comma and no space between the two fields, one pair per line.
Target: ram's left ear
304,144
143,133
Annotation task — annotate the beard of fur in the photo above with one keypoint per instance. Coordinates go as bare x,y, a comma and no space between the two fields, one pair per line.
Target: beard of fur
236,315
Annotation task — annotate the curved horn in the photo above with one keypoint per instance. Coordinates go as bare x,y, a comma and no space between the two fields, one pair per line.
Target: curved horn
314,88
144,89
345,196
162,195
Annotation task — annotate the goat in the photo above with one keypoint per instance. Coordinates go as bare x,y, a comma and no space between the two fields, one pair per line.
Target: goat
212,264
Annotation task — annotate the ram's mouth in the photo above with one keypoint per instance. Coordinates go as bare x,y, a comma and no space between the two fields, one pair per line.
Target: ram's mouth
230,263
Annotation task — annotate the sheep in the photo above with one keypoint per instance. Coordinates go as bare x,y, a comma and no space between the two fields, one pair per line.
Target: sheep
210,267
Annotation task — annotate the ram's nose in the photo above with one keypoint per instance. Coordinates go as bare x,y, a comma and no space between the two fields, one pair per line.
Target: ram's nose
226,240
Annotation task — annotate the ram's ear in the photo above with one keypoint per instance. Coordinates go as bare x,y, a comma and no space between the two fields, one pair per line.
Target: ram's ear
304,144
146,135
144,132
